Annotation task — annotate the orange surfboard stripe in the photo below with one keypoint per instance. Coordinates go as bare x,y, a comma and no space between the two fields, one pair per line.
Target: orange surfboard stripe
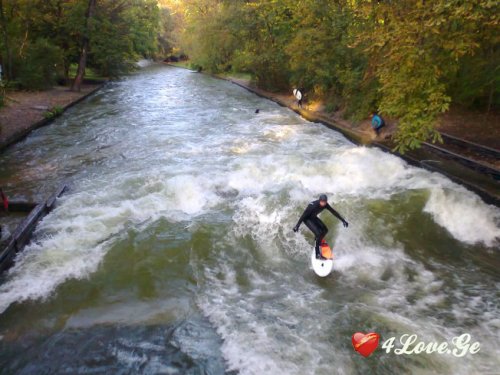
326,251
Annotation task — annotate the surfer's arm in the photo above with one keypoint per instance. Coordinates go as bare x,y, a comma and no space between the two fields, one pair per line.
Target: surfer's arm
337,215
305,215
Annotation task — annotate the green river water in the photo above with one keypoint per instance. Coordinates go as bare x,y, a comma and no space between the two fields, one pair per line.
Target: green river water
173,252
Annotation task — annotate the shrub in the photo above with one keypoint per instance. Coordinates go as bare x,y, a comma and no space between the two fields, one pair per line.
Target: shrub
41,65
54,112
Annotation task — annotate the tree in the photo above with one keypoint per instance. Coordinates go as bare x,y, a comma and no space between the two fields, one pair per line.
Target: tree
415,49
127,31
323,61
6,43
214,20
41,66
82,63
105,35
268,29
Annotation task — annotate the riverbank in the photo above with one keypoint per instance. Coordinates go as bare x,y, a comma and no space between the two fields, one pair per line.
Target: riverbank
480,128
477,173
25,111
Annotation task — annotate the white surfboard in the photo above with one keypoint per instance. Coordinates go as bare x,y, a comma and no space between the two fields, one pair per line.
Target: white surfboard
322,267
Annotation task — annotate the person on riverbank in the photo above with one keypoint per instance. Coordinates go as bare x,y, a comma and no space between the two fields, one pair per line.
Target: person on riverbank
377,122
298,95
311,220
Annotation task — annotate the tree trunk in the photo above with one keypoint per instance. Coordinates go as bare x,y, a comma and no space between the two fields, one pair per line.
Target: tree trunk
66,71
490,98
7,61
84,50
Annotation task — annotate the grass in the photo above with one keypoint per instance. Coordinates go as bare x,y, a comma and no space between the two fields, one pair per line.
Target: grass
89,73
53,112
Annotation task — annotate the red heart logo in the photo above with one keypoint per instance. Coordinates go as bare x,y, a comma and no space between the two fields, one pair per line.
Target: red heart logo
365,344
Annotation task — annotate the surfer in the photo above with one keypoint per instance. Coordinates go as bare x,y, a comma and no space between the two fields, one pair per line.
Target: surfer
310,218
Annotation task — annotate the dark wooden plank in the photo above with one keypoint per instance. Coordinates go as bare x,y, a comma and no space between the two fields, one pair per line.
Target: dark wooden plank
23,232
465,161
52,199
7,255
484,150
20,236
21,206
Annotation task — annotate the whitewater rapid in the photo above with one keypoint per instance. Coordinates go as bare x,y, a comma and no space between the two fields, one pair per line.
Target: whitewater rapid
187,151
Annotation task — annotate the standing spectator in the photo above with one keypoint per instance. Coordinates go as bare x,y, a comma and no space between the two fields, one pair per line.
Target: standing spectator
377,122
298,95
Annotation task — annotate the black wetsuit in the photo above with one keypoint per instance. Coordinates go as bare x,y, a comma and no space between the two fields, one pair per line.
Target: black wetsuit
311,220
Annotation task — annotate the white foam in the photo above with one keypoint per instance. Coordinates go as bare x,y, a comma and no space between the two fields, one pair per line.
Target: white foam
143,63
401,292
465,216
364,172
5,233
252,331
76,236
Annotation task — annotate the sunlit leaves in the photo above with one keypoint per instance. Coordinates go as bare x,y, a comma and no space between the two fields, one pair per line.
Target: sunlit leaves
415,55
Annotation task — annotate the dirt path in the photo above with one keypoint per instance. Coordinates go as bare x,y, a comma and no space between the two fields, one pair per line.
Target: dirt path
477,127
24,110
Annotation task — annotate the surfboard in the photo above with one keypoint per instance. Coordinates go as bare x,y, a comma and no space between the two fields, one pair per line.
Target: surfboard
322,267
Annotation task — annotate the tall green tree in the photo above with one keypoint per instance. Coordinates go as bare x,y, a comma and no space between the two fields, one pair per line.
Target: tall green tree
82,62
415,48
127,31
322,59
215,20
268,27
7,60
172,21
41,39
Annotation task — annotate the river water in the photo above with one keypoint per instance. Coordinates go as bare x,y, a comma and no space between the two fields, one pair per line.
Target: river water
173,252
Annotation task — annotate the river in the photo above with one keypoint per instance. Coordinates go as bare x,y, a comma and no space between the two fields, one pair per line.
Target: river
173,252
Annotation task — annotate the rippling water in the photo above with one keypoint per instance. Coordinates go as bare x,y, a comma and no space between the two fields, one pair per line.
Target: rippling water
173,251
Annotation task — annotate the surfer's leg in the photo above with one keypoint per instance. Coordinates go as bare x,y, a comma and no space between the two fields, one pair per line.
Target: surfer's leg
312,224
324,231
323,228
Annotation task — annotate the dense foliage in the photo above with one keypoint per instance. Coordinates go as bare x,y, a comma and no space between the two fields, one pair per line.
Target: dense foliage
41,39
408,59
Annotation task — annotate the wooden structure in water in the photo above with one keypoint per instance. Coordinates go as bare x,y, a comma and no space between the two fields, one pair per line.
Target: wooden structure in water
21,235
